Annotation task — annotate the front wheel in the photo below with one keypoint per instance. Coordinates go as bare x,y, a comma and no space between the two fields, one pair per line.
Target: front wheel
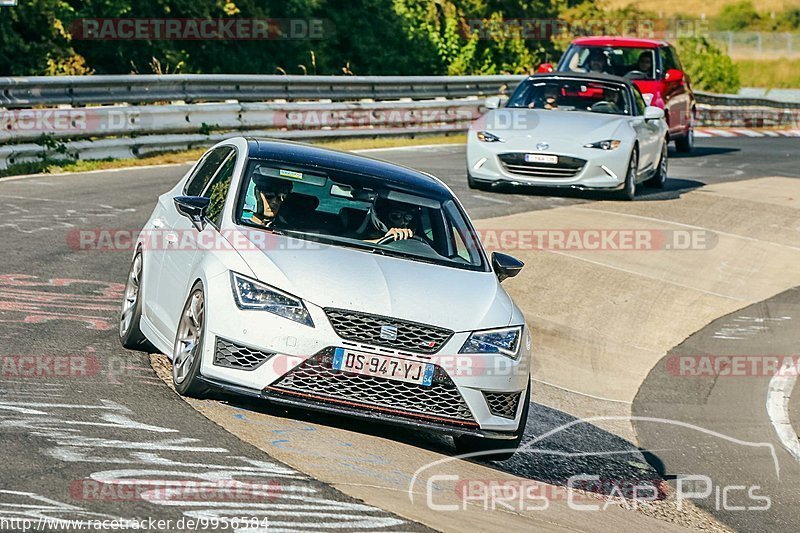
495,449
130,334
628,191
476,184
685,144
660,177
188,348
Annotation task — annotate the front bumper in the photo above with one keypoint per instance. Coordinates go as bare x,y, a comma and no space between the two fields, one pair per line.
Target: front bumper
277,349
602,170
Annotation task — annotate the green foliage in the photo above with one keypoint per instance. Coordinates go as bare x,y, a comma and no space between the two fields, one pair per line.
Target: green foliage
707,66
736,17
362,37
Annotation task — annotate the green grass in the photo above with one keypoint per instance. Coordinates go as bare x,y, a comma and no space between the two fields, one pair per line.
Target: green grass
770,73
56,166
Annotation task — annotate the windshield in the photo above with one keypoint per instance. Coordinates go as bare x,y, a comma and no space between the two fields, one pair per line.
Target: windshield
356,211
572,95
629,62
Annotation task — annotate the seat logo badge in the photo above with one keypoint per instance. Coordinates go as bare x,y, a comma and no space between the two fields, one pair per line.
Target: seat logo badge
388,333
542,146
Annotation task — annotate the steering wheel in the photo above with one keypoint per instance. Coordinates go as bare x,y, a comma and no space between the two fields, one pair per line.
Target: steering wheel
390,238
635,75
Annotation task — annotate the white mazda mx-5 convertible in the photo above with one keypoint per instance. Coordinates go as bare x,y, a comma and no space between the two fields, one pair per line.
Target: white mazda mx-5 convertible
582,131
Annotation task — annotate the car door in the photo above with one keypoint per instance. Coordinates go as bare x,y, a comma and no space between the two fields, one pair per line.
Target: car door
648,134
674,94
180,245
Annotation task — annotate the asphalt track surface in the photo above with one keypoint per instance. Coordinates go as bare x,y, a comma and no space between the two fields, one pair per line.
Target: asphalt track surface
80,417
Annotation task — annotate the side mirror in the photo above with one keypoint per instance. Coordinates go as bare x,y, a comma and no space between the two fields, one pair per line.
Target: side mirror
653,113
505,266
545,68
674,75
194,208
493,102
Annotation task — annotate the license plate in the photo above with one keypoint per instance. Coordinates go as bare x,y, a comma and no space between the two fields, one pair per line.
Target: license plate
383,367
541,158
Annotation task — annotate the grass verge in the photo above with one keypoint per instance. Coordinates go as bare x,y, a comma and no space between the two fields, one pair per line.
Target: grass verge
55,166
769,73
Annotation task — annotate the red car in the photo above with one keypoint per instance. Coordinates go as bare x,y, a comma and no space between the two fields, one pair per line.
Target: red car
652,65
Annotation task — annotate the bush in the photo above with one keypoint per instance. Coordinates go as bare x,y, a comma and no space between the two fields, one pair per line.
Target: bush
708,67
737,17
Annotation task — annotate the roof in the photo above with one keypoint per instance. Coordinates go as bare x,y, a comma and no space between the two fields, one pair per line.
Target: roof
588,76
624,42
305,155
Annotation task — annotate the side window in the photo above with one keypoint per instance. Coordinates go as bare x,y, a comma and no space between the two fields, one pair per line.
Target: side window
675,58
668,59
205,171
640,105
218,189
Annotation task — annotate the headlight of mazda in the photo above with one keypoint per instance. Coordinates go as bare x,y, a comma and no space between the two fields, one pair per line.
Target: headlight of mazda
648,98
251,294
503,341
487,137
610,144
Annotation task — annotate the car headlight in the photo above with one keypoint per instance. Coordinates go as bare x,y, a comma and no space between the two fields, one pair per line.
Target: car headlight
251,294
487,137
503,341
609,144
648,97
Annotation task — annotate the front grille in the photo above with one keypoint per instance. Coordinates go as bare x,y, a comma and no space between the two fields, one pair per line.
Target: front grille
317,379
232,355
567,167
361,327
502,404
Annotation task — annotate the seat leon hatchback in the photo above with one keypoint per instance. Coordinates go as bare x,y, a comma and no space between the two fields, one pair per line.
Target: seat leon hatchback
333,282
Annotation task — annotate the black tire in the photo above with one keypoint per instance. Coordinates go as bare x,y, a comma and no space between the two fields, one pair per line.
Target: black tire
477,184
190,334
685,144
628,192
660,178
503,449
130,334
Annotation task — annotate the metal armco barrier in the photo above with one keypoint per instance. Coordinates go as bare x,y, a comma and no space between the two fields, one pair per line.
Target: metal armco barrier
127,124
140,89
20,125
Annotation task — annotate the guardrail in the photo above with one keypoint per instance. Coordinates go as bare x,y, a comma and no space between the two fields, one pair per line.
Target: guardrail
140,89
307,107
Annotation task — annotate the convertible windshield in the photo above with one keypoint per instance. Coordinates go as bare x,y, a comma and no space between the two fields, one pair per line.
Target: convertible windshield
356,211
572,95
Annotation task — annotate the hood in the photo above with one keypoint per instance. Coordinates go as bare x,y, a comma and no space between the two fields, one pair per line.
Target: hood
346,278
550,125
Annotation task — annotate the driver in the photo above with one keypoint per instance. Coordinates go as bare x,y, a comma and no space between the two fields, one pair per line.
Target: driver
597,61
394,220
270,195
551,97
645,63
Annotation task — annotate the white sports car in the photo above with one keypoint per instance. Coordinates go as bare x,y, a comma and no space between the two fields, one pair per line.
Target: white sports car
585,131
335,282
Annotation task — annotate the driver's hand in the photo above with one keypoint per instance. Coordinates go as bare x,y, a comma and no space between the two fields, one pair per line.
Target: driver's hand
400,234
